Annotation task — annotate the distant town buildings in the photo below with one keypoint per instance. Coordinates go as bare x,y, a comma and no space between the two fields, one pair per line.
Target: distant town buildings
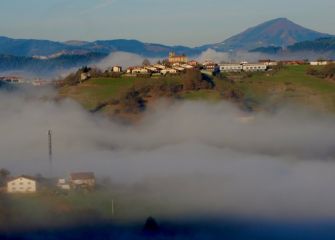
22,184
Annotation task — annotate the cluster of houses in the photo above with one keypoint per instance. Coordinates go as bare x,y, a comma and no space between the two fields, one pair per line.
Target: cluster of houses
28,184
179,63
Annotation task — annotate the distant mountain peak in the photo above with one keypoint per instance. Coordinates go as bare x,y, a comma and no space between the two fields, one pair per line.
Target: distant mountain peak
280,32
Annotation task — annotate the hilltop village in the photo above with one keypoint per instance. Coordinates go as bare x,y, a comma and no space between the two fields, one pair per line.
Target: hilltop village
173,65
176,64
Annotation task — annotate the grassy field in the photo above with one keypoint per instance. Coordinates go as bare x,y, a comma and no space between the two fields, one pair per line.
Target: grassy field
119,205
290,85
97,90
202,95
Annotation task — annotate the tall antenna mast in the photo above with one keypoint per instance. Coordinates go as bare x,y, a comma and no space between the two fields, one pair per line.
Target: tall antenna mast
50,151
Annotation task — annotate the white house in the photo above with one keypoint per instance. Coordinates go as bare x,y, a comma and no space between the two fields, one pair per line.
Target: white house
116,69
179,69
187,66
159,66
152,69
22,184
169,70
140,70
231,67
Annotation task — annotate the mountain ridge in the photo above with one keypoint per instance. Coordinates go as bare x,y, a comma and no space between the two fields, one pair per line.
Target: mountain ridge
279,32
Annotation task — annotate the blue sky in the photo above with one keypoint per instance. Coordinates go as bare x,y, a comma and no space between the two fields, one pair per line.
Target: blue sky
186,22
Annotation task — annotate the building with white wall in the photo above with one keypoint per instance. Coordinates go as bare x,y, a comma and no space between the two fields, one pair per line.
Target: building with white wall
116,69
22,184
231,67
254,67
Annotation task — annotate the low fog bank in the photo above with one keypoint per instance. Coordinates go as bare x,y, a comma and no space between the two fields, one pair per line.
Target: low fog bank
239,56
196,157
123,59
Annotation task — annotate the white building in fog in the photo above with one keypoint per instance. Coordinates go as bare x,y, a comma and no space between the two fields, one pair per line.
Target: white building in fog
22,184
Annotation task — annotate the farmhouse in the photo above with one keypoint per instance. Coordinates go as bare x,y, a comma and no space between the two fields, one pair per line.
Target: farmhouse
159,66
139,70
152,69
82,180
179,69
187,66
22,184
169,70
173,58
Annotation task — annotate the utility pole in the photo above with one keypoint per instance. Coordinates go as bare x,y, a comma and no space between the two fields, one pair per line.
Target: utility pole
50,152
113,207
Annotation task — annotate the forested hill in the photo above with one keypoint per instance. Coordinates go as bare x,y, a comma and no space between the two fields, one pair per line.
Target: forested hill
319,45
47,66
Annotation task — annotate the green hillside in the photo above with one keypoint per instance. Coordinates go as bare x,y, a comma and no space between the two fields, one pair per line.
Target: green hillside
253,91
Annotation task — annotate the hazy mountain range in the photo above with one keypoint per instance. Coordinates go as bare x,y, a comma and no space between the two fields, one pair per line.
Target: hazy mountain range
269,37
279,32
